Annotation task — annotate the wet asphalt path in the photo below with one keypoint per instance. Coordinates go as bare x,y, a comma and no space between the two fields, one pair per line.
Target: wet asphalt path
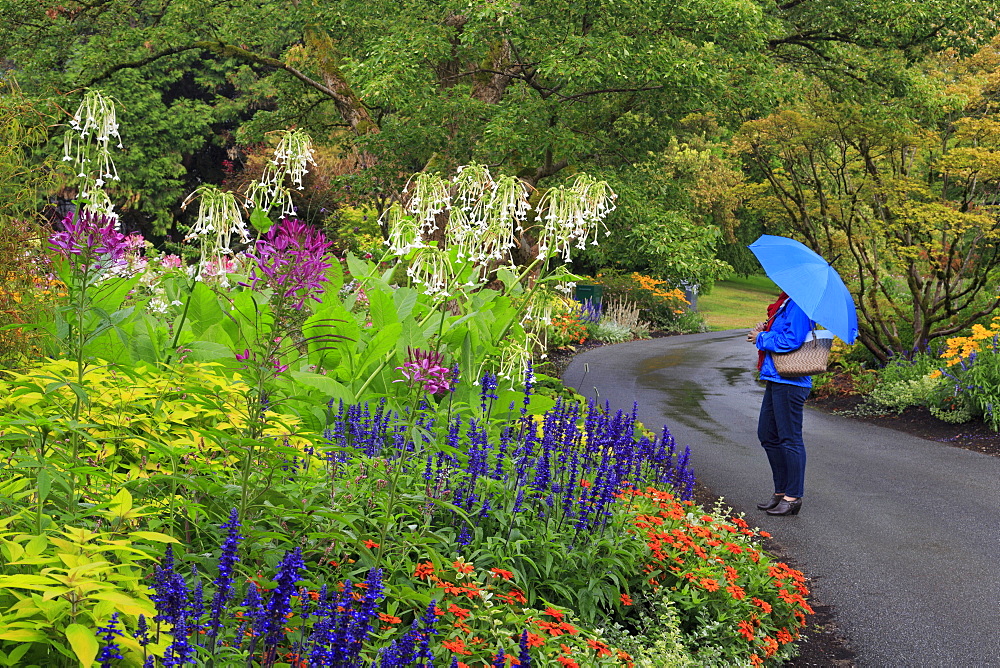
899,534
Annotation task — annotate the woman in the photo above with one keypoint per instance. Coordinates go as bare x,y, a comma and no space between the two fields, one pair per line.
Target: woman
779,427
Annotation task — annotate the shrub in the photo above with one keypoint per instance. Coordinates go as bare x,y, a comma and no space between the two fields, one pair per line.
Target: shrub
970,378
664,307
610,331
901,394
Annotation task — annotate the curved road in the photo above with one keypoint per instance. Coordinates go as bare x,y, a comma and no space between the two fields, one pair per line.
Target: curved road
899,534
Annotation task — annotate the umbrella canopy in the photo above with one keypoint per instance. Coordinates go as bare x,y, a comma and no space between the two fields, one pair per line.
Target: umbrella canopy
810,281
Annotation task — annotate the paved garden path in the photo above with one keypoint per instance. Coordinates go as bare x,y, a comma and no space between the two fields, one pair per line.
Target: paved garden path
901,535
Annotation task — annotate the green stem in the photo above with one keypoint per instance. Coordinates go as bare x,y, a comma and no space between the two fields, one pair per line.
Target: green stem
180,323
524,304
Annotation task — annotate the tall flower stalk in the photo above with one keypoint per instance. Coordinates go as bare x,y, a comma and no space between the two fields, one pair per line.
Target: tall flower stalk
86,249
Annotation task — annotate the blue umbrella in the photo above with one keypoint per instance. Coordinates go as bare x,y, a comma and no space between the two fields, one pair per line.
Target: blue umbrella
810,281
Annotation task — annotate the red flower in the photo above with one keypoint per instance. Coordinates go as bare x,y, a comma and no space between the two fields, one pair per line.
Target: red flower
738,593
461,613
457,646
423,570
626,599
389,619
567,662
552,612
501,573
535,640
746,630
370,544
602,649
463,567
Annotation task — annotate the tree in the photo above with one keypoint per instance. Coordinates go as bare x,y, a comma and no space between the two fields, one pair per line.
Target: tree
908,195
536,88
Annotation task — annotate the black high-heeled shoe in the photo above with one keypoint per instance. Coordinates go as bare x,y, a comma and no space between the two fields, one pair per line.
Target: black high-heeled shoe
786,507
775,500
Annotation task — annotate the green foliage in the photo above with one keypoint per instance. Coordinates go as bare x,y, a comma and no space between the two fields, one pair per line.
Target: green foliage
610,331
56,588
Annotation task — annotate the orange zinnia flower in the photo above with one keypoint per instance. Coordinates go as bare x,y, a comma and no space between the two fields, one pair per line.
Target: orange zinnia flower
602,649
457,646
552,612
535,640
370,544
626,599
501,573
463,567
423,570
461,613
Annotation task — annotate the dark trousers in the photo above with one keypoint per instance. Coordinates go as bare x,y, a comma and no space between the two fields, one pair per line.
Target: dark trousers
780,432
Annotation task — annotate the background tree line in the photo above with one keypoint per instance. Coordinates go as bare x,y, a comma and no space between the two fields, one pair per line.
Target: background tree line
868,129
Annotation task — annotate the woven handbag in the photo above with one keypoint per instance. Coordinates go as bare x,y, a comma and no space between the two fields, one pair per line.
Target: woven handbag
808,359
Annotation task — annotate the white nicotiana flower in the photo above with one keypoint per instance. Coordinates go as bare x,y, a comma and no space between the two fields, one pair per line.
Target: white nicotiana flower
432,269
88,143
218,212
292,157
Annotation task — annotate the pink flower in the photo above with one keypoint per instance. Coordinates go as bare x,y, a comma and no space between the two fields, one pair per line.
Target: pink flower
424,368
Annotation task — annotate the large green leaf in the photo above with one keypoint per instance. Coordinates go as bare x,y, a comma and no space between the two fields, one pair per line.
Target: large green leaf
84,643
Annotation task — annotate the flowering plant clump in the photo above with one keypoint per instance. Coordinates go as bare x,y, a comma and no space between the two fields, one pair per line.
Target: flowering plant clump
709,566
969,383
484,613
665,307
566,329
292,260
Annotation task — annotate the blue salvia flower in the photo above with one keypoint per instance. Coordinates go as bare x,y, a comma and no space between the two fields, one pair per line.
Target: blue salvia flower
404,650
170,593
500,471
464,537
487,391
367,611
271,626
454,662
427,621
196,600
142,631
524,656
150,662
110,651
500,659
180,651
224,580
529,383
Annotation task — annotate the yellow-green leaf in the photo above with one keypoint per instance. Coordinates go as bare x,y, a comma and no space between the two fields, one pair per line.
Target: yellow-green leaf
84,643
25,581
125,603
23,635
153,536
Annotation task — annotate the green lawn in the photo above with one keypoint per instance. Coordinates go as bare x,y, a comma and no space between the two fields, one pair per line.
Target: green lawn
737,303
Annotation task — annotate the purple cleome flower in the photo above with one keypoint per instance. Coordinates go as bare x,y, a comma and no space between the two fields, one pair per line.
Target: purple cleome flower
88,238
424,368
291,259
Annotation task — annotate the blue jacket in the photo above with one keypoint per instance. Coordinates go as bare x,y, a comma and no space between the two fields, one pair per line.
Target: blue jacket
788,331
